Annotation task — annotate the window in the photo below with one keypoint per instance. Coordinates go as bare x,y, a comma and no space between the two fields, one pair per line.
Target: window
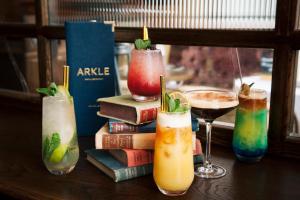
295,123
19,60
190,14
22,11
268,28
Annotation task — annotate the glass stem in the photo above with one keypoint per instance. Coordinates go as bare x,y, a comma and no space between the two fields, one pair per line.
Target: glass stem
207,161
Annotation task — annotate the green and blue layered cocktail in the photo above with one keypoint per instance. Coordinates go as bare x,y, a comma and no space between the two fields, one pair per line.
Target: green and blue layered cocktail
250,134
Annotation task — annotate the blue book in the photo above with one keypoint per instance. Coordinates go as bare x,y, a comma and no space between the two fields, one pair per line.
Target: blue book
118,126
118,171
90,56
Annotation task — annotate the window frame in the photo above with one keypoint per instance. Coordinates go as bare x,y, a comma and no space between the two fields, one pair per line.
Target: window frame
284,39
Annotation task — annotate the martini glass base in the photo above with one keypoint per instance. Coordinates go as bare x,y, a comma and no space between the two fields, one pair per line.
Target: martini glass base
212,172
144,98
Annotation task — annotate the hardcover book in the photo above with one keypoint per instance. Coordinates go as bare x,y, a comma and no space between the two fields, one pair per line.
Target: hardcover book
117,126
118,171
90,56
134,157
105,140
126,109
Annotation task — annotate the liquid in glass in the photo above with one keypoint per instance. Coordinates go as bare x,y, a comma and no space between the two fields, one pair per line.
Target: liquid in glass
250,134
145,69
59,138
173,156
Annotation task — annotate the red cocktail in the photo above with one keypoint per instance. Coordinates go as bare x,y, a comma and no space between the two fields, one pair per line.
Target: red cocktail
146,66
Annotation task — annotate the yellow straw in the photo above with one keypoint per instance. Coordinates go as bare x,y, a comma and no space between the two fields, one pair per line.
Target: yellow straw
146,33
163,93
66,77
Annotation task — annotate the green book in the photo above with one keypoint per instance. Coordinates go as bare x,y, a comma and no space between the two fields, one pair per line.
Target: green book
118,171
126,109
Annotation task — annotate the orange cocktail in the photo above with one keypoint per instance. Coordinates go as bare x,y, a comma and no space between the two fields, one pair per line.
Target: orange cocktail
173,156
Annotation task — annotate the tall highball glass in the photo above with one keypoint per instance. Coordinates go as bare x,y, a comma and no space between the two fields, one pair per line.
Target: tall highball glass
60,150
173,156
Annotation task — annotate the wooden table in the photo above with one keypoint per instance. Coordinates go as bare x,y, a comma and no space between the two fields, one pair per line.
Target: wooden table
23,175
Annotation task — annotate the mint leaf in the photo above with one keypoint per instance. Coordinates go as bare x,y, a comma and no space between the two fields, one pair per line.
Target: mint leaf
49,91
50,146
142,44
177,103
44,91
251,84
52,89
46,147
181,109
147,43
172,105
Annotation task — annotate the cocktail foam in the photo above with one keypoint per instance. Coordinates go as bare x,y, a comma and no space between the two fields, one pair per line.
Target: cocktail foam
174,120
255,94
212,99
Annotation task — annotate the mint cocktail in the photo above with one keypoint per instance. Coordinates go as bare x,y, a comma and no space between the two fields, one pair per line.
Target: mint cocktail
59,139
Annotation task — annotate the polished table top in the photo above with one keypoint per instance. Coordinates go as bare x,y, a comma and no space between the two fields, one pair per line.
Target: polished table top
23,175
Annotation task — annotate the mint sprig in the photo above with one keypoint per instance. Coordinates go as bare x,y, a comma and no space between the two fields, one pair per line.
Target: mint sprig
50,145
142,44
49,91
173,105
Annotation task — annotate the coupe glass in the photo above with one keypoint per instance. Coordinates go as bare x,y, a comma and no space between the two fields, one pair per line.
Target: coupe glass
208,105
145,69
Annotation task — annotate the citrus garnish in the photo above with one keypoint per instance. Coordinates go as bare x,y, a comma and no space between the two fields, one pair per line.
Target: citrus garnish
58,153
245,89
176,102
183,99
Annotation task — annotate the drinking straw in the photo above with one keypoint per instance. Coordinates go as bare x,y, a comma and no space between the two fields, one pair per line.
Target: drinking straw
239,64
66,77
163,93
145,35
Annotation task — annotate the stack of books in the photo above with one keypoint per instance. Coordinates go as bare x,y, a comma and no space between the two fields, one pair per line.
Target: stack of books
124,145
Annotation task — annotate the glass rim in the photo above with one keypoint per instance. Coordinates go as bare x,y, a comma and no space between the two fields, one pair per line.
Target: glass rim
57,98
254,92
175,113
211,90
144,51
257,90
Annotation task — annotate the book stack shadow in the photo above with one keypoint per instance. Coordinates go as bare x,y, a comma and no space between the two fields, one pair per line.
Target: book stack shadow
124,145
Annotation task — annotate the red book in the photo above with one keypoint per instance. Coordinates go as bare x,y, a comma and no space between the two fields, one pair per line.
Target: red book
134,157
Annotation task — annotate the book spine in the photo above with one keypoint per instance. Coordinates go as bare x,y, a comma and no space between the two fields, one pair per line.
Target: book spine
132,172
125,141
121,127
139,157
146,115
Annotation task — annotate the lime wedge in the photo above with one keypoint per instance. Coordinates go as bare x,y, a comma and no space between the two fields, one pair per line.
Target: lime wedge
58,153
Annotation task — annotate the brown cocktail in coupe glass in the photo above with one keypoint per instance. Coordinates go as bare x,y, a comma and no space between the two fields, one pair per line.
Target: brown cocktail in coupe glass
209,105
